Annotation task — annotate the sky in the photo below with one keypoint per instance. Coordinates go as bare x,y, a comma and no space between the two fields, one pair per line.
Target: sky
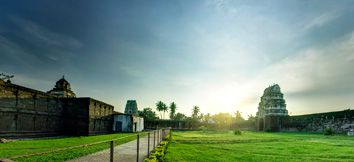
217,54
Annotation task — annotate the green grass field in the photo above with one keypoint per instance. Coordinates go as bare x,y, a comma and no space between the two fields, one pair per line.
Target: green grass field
22,147
258,146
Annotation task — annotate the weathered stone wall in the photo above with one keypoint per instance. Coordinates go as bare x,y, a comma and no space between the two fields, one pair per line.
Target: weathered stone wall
75,116
100,117
27,112
339,121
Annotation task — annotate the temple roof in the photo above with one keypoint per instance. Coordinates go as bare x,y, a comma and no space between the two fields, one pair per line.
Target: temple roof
62,84
62,89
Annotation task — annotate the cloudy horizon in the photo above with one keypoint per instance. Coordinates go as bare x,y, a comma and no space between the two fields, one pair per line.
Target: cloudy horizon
218,54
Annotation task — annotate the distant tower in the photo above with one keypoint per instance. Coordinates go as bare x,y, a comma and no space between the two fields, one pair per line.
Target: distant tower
131,108
271,109
62,89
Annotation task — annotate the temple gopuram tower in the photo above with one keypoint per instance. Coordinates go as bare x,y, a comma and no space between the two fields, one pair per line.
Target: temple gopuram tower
131,108
271,110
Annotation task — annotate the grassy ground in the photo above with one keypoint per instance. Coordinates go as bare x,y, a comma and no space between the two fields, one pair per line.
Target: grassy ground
257,146
23,147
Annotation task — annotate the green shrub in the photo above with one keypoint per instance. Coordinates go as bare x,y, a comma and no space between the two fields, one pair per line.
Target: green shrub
237,132
168,138
157,155
328,131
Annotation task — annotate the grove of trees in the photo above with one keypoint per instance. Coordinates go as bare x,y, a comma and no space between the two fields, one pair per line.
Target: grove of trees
198,119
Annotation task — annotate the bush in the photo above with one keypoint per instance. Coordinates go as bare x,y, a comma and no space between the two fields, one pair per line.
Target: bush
158,153
328,132
237,132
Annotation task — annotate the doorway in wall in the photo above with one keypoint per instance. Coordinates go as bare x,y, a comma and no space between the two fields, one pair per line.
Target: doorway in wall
118,126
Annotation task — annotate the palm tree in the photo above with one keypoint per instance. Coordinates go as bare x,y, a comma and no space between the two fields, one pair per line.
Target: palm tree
173,108
160,106
195,113
164,109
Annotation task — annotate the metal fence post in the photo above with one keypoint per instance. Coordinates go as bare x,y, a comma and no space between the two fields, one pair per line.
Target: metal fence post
158,137
161,134
149,144
164,134
154,138
112,151
137,148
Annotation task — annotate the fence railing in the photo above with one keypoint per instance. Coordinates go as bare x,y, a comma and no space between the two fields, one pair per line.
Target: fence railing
145,143
134,147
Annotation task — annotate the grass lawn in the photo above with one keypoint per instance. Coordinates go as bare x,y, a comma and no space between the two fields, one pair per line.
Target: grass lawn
258,146
22,147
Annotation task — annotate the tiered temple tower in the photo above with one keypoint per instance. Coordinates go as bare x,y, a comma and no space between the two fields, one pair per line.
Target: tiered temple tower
271,110
131,108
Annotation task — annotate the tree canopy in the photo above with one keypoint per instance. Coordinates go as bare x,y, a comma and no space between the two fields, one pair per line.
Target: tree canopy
180,116
148,114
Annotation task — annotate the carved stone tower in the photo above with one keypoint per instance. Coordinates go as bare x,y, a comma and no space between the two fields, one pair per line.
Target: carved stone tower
271,109
62,89
131,108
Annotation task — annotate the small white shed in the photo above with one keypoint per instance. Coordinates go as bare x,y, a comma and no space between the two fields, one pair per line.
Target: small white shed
128,123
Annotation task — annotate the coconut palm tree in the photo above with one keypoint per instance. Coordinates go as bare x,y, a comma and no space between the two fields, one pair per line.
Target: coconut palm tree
160,107
196,111
164,109
173,108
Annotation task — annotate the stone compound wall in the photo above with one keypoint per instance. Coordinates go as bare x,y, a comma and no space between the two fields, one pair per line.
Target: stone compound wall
100,117
87,116
339,121
27,112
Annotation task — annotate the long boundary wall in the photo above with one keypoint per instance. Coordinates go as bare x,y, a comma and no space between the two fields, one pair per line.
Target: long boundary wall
28,112
339,121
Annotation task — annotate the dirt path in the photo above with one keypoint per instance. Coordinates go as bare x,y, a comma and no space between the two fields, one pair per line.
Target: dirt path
125,153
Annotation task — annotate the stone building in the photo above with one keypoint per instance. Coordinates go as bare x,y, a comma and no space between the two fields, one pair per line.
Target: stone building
271,109
130,121
29,112
87,116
